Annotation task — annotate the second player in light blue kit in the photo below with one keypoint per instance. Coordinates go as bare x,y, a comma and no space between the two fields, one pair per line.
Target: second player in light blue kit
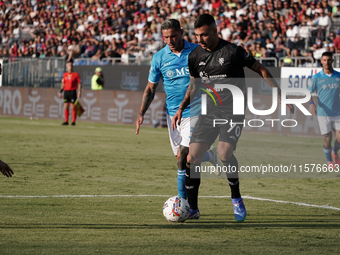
326,84
171,64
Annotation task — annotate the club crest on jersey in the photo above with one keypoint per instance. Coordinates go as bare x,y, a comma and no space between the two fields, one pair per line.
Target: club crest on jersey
170,73
221,61
247,56
204,77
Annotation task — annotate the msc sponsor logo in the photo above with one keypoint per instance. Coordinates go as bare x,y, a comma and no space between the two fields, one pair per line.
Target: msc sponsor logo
178,72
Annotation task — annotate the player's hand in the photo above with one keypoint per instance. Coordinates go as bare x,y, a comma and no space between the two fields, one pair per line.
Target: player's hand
291,108
79,94
312,109
176,120
5,169
139,122
59,94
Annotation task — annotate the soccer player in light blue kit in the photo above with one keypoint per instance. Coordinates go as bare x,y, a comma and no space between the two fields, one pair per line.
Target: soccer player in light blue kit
171,63
326,84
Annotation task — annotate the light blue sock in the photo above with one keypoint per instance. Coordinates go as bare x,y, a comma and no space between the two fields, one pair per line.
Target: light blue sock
328,155
207,156
336,147
182,192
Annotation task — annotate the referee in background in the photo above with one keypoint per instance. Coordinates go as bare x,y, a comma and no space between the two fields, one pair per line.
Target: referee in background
69,84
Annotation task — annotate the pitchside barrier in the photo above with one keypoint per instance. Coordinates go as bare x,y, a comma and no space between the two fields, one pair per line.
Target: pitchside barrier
122,107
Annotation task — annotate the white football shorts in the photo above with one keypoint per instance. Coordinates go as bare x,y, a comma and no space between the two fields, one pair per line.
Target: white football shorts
182,134
326,123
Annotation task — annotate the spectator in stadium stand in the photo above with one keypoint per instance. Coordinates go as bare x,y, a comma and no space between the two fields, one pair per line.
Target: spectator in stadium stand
124,56
318,50
296,54
292,34
324,24
305,33
59,23
337,42
264,31
332,37
260,39
257,51
97,57
287,61
336,10
332,48
327,46
327,8
285,8
309,60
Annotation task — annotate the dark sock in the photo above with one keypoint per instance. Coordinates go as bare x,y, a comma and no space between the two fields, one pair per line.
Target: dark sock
192,184
232,176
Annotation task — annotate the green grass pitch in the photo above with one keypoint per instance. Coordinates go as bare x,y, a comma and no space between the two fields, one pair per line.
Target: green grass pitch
98,159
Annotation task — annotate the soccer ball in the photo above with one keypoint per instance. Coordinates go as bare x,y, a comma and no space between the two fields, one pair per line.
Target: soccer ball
176,209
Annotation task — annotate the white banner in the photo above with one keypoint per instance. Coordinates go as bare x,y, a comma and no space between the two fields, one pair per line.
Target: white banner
298,77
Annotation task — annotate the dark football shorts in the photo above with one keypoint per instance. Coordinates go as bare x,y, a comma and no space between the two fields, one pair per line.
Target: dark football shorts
70,96
205,132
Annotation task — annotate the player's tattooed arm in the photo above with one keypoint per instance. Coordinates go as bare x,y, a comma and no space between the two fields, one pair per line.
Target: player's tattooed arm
190,94
266,75
269,79
148,96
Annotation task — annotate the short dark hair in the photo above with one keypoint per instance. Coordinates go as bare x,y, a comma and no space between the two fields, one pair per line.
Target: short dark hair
204,20
171,23
327,54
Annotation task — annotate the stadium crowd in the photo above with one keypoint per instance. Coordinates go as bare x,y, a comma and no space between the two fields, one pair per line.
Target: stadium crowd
100,29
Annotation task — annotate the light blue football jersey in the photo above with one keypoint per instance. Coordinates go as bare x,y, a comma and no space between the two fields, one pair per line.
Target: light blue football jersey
174,71
328,90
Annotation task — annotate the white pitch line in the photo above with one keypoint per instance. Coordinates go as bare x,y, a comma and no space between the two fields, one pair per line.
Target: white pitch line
294,203
246,197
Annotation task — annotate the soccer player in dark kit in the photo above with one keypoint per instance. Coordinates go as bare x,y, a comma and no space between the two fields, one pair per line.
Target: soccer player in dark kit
216,61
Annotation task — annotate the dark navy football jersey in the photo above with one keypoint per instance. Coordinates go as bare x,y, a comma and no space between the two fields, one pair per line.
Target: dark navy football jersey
222,65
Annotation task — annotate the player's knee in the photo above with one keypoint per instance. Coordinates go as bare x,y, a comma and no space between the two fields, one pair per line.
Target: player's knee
225,151
182,159
226,155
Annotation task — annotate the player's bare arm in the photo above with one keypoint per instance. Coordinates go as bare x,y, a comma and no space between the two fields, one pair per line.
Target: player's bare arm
312,107
191,93
79,90
267,76
61,89
148,96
